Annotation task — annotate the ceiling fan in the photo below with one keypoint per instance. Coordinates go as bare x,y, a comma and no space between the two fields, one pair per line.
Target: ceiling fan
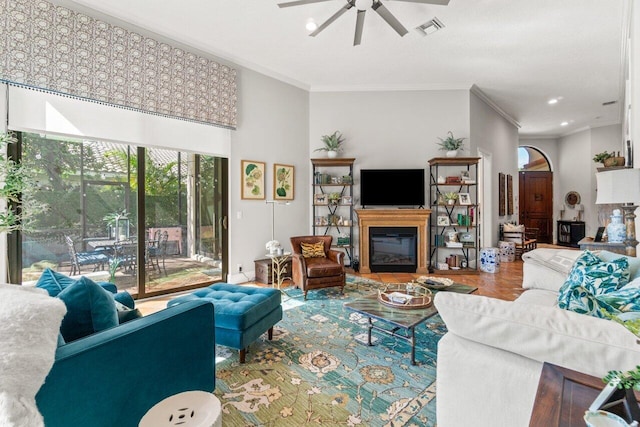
362,6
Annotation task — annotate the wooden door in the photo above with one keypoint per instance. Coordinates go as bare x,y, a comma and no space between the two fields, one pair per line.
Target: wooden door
536,203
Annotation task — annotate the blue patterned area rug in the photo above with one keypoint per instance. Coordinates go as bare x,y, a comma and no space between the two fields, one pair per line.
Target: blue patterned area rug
315,371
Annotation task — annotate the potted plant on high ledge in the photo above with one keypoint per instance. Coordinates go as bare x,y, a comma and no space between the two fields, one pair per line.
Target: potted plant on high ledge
609,159
451,144
332,144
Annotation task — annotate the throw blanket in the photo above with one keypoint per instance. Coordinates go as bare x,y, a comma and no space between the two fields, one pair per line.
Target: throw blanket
30,322
560,260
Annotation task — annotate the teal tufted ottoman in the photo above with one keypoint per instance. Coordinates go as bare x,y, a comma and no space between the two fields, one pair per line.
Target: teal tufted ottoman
242,313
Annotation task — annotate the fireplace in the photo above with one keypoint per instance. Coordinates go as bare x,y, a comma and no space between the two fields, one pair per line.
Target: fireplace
417,219
393,249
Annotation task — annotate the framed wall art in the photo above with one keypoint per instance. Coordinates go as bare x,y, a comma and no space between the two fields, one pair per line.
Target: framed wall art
320,199
501,196
252,179
283,182
509,195
464,198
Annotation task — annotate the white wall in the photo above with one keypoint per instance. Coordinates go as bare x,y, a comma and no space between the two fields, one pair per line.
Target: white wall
388,129
574,152
573,174
272,128
492,133
549,147
634,49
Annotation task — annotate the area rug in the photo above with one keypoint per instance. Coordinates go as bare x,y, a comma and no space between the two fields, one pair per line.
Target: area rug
316,372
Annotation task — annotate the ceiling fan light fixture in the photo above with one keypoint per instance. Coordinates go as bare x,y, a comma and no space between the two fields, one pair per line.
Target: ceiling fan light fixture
363,4
311,25
430,26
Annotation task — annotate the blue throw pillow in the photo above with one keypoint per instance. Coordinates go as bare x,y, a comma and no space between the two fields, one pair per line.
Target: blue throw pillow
589,279
54,282
90,309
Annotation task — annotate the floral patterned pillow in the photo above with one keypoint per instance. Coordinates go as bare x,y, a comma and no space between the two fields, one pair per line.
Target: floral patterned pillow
594,285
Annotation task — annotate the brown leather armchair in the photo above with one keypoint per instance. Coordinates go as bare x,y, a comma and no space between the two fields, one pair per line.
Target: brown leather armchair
317,273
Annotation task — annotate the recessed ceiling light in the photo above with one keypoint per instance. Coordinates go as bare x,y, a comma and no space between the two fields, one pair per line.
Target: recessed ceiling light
311,25
552,101
564,123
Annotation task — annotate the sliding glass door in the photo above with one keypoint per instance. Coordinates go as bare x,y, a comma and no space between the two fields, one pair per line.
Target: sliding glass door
151,221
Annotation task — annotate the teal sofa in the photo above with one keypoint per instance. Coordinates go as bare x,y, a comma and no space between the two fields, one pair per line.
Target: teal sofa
113,377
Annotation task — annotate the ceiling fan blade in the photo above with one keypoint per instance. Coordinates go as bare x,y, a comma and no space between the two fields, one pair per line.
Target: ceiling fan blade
329,21
300,3
388,16
359,26
440,2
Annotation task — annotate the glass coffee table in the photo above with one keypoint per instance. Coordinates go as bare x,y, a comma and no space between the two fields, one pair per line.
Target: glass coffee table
399,318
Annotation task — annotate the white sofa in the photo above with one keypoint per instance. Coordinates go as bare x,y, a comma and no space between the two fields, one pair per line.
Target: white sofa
490,360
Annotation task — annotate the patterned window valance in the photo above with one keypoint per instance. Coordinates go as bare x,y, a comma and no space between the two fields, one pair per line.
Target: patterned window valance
59,50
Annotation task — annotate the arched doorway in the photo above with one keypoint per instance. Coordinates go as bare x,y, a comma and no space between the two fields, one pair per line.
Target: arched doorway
536,192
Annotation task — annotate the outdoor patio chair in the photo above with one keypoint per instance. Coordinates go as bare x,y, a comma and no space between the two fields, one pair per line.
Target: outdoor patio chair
126,253
153,250
96,258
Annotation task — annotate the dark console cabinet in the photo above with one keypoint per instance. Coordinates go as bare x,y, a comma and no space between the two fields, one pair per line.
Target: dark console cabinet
570,233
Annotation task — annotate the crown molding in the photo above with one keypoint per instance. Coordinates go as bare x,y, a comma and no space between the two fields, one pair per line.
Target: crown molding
391,88
534,137
491,103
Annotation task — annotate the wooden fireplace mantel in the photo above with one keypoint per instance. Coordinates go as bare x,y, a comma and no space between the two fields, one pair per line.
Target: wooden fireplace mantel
418,218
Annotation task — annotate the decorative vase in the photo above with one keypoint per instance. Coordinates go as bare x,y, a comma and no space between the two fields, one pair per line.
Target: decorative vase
332,154
616,230
452,153
451,202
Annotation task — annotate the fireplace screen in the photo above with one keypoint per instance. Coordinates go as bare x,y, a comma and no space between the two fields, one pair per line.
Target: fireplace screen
393,249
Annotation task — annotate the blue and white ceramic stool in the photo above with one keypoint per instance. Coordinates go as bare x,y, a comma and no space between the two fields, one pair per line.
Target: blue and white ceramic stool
187,409
507,251
490,260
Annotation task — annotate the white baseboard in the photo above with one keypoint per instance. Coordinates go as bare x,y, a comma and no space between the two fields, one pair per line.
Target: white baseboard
244,277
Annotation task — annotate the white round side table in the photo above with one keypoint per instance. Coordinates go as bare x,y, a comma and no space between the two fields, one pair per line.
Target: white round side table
187,409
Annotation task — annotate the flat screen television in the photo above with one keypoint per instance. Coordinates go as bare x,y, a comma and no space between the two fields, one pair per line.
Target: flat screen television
392,187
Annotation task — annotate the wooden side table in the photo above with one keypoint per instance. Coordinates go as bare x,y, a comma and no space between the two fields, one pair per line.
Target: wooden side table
563,396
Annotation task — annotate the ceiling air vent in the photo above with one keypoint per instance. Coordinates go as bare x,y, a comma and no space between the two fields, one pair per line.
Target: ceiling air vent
604,104
430,26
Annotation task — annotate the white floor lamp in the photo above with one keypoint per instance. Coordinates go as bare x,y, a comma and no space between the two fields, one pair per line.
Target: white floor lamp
273,203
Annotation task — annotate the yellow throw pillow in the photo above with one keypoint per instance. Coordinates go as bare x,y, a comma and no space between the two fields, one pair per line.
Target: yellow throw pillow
312,250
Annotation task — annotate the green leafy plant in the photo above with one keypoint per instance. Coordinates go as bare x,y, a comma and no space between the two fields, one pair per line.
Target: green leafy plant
114,263
624,380
451,143
17,191
332,142
450,196
113,217
601,157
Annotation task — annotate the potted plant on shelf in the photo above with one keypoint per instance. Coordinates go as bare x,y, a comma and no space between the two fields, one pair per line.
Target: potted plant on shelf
451,144
332,144
609,159
450,198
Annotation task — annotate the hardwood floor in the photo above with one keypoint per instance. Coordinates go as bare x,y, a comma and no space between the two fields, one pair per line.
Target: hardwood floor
505,285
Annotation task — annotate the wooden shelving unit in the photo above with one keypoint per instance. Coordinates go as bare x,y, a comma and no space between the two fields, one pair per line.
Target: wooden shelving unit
456,219
334,177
